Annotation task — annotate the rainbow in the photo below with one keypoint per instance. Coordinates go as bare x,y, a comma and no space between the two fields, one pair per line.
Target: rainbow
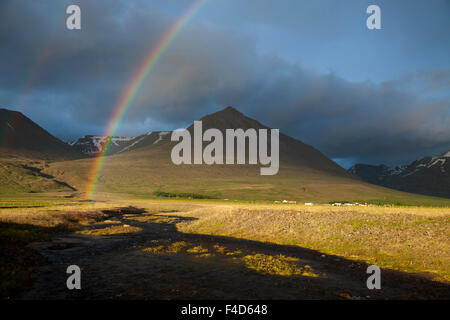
129,94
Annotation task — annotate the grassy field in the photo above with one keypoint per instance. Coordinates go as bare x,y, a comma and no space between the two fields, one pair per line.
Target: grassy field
408,239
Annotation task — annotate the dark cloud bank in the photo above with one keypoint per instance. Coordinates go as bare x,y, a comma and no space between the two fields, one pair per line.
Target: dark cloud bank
69,82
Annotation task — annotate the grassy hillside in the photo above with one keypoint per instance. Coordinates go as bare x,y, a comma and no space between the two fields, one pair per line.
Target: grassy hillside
144,171
20,175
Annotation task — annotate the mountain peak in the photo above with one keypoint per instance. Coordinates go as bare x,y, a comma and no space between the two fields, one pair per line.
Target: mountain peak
229,118
446,154
4,111
228,112
230,109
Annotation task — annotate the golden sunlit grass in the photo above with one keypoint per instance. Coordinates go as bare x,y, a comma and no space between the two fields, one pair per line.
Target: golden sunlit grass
262,263
197,249
109,222
59,214
110,231
200,252
225,251
278,265
407,239
180,247
174,247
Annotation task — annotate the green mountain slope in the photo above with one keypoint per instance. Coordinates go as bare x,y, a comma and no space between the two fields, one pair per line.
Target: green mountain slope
24,176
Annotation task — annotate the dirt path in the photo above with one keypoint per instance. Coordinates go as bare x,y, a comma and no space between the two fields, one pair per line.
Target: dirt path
117,267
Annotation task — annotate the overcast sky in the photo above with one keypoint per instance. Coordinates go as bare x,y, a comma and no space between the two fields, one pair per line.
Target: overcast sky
310,68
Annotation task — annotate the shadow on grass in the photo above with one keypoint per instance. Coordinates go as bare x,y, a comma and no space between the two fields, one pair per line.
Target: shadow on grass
162,263
17,261
159,262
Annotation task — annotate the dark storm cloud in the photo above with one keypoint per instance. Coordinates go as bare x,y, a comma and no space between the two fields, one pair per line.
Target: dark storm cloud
79,73
424,82
70,81
363,121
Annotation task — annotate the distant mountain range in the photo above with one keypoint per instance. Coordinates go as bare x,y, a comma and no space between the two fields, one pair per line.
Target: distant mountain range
94,145
428,175
32,160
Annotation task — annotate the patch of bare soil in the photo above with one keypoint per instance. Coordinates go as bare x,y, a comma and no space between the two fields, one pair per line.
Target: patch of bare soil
161,263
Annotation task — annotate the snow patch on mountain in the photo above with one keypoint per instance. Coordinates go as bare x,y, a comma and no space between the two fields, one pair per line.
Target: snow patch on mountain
393,171
161,135
131,145
428,163
92,145
436,161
